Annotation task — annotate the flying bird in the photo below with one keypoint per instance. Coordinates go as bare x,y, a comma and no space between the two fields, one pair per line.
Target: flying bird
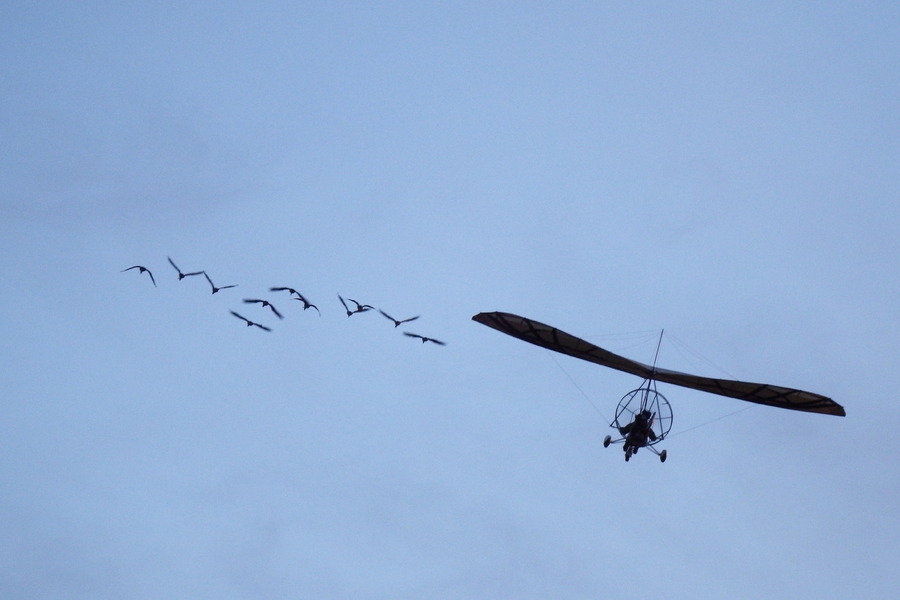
214,288
359,307
424,339
180,274
397,323
264,303
249,322
285,289
307,304
142,270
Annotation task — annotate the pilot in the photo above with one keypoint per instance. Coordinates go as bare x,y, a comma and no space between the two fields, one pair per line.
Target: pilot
638,431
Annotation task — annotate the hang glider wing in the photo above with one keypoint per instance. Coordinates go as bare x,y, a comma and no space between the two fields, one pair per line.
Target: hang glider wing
551,338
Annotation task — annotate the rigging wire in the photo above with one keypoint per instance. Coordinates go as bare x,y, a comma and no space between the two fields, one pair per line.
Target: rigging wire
681,350
642,338
634,339
693,355
658,345
711,421
575,383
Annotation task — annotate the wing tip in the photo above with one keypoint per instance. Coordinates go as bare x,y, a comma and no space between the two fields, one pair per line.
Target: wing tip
494,315
485,318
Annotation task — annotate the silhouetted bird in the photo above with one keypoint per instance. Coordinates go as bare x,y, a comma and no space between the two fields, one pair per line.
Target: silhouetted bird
423,338
249,322
183,275
284,289
142,270
400,322
308,304
214,288
359,307
264,303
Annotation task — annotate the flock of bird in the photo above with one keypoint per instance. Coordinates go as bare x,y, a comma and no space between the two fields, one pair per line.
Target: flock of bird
294,295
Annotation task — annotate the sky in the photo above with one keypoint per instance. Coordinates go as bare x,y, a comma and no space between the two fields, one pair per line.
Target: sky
724,173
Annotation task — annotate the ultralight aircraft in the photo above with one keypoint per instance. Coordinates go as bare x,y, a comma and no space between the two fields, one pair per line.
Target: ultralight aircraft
644,417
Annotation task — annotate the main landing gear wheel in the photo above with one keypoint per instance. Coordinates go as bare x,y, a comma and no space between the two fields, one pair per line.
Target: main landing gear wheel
607,441
662,456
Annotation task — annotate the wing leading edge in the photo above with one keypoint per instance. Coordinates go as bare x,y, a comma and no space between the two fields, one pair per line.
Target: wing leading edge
560,341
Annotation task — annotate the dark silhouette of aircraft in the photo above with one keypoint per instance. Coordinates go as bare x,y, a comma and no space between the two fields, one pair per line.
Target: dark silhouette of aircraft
399,322
249,322
142,270
643,416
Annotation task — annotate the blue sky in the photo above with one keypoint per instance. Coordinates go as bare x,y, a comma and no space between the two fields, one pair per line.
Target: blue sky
726,173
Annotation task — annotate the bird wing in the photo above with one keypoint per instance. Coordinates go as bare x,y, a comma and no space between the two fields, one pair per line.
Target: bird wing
361,307
308,304
274,310
172,262
240,316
